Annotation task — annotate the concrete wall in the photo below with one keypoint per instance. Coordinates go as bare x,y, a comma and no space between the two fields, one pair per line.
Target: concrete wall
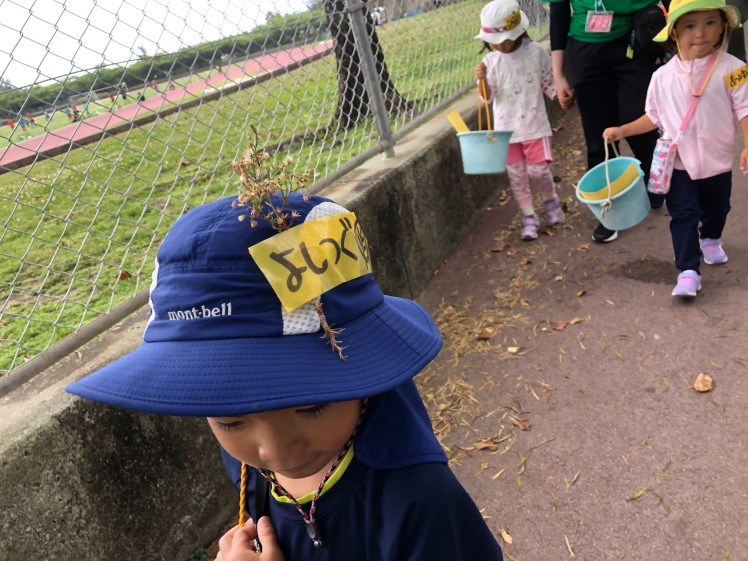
83,482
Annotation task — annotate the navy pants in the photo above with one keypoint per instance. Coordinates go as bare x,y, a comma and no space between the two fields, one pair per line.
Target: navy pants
694,201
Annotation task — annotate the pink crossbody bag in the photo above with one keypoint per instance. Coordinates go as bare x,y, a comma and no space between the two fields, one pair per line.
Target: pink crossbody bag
663,160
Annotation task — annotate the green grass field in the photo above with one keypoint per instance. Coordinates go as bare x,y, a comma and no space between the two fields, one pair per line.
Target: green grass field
81,230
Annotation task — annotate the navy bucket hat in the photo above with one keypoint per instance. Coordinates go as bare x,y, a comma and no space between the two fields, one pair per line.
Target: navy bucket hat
218,341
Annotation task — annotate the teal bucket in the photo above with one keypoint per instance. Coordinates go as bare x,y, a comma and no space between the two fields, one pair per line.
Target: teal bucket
627,208
482,155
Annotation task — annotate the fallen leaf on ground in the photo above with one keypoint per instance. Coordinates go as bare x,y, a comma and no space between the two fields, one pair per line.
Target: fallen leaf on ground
513,350
500,247
575,320
559,325
124,275
485,446
703,382
486,333
521,424
505,536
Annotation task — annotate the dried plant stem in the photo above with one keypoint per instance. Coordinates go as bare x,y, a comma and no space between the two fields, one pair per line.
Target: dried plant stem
262,182
330,333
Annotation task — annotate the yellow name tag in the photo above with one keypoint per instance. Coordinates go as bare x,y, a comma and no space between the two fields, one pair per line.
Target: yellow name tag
737,77
312,258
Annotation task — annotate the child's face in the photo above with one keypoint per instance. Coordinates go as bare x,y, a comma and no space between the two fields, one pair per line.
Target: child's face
698,33
505,46
294,443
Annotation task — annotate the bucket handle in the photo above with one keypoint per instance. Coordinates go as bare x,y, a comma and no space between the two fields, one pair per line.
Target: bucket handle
483,105
608,203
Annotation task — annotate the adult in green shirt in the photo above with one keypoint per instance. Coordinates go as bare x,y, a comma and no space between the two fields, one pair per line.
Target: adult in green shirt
594,64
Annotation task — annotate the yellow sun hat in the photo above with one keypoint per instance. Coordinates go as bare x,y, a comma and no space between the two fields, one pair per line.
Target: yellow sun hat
679,8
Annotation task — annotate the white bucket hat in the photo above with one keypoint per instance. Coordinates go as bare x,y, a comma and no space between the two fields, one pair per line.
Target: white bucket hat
502,20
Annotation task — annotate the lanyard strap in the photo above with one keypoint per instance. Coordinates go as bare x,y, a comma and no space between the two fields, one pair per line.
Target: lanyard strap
697,94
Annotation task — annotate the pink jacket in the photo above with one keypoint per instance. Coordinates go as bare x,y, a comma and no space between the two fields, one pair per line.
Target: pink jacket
707,147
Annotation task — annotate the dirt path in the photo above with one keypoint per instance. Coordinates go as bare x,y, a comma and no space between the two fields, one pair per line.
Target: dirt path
572,424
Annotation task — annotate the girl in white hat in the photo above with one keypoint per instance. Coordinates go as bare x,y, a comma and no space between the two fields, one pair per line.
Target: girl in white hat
518,72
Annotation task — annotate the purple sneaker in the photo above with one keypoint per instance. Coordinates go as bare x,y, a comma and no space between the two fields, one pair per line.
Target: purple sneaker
530,225
554,214
713,252
689,284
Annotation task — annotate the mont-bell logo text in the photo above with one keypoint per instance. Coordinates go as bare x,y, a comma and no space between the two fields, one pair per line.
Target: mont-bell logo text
202,312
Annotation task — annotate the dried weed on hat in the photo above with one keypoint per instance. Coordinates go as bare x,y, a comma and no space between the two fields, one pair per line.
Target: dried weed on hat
502,20
679,8
226,334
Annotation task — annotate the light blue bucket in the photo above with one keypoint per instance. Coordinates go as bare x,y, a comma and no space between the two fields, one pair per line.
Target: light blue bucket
481,154
627,208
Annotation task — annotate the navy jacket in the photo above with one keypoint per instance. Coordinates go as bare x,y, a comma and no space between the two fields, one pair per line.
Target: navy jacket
415,513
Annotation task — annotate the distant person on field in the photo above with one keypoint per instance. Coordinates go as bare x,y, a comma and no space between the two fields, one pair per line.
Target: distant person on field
154,85
518,72
11,124
69,113
32,122
699,197
23,123
47,115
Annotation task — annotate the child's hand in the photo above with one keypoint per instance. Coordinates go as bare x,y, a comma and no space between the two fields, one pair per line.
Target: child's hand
744,161
238,543
612,134
480,71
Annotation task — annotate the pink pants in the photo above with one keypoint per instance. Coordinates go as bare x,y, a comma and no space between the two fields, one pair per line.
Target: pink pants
526,162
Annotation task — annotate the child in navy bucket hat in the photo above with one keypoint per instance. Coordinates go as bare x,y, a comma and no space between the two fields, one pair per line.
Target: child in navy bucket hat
303,368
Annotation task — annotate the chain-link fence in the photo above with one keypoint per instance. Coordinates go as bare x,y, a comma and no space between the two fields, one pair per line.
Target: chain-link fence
119,116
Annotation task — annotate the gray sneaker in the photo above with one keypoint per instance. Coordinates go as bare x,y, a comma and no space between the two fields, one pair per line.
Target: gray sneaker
689,284
530,225
713,252
554,214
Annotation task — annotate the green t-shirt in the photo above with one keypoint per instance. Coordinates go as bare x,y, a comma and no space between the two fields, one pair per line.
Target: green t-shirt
622,10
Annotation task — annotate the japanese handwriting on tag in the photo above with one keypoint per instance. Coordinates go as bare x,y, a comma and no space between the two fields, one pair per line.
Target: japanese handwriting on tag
312,258
737,77
598,22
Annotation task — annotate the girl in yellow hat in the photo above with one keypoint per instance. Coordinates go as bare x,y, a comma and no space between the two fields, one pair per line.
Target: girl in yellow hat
695,99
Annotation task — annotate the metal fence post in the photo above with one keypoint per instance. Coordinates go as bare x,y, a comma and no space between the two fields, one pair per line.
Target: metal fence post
368,65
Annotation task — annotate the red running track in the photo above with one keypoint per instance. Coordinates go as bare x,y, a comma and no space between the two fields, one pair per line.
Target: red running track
91,129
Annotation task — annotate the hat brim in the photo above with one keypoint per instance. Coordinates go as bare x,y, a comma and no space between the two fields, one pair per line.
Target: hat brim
511,35
227,377
732,13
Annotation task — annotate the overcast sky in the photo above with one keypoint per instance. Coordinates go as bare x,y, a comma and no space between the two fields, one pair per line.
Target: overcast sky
49,39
